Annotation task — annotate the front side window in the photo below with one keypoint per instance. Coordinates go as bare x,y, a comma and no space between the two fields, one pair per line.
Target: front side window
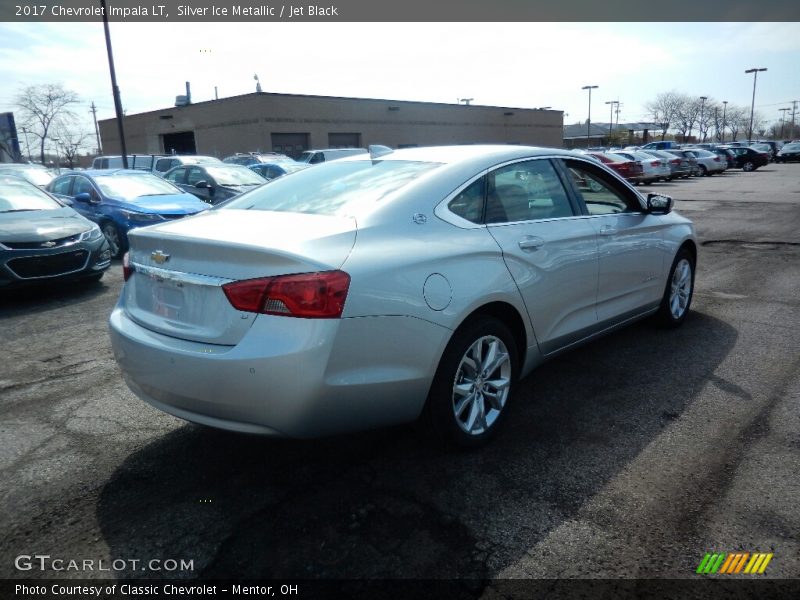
62,186
196,174
600,193
82,186
175,176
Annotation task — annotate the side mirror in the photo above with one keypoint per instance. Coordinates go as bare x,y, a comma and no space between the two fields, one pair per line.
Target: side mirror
659,204
201,184
84,197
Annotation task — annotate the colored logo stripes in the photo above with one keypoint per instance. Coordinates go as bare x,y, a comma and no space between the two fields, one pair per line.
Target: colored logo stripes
733,563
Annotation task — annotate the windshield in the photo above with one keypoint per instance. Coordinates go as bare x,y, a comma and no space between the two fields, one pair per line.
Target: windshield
335,188
234,176
38,176
791,147
130,187
16,194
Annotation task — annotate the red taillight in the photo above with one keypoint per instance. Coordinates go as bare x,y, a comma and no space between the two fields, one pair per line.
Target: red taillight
127,270
655,163
716,159
309,295
676,161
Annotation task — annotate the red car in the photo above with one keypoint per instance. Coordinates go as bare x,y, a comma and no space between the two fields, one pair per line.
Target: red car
631,170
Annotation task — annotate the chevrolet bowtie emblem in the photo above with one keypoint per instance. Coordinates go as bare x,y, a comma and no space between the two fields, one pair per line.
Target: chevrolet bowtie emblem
159,257
49,244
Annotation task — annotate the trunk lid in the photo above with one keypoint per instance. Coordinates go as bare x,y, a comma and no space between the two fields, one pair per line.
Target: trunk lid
180,266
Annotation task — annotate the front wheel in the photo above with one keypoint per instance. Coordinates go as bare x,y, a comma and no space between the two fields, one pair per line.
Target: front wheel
748,166
470,393
113,237
678,293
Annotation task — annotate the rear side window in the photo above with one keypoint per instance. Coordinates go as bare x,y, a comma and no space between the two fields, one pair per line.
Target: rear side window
526,191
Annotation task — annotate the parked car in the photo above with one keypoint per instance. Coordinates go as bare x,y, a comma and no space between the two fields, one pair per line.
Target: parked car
673,162
214,183
764,148
42,240
654,168
631,170
162,165
688,161
120,200
275,170
246,159
314,157
664,145
373,291
748,159
789,152
139,162
36,174
708,163
774,147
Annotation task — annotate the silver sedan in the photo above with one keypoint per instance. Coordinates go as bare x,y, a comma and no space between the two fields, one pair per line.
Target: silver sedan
393,286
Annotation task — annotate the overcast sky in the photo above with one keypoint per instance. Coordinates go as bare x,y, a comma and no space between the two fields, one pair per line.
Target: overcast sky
523,65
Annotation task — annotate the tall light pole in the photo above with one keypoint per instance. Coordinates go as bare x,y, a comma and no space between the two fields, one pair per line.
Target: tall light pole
724,110
702,106
754,71
783,117
611,116
114,87
589,119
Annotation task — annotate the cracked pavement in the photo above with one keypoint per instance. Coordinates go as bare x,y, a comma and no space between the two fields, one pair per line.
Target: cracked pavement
680,441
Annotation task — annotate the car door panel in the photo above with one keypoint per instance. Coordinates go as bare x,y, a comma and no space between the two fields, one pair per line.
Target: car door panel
549,251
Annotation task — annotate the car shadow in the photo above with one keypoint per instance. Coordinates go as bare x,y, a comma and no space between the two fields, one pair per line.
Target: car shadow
392,503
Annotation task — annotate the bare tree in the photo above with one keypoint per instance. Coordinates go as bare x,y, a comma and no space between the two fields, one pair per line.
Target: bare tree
663,110
738,120
41,105
71,140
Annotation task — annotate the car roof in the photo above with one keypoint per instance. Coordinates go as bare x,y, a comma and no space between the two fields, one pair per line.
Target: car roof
455,154
110,172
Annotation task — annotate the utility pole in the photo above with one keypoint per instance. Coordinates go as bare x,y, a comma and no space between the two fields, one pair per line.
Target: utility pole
611,116
783,118
794,108
114,87
755,71
589,119
96,130
724,110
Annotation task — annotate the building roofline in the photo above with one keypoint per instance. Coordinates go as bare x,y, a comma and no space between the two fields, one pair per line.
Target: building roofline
281,95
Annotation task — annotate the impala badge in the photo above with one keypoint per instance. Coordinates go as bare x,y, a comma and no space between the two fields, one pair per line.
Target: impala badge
159,257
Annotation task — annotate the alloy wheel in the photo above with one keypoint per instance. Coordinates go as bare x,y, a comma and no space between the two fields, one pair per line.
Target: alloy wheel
481,385
680,288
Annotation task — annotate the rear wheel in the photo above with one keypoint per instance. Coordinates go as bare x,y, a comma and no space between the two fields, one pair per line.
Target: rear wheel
749,166
678,293
469,397
701,170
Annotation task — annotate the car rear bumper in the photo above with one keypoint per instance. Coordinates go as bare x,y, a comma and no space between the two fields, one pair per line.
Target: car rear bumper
287,377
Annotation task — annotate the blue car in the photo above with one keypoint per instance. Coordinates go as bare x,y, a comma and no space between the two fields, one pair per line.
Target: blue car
119,200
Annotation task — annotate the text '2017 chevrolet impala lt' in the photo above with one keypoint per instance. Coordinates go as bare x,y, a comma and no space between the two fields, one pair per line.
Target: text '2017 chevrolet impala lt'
392,286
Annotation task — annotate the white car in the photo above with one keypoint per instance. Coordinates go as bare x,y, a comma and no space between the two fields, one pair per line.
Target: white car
655,168
708,163
380,289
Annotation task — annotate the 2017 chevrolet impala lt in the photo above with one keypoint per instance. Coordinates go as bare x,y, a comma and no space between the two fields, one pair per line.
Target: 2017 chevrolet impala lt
392,286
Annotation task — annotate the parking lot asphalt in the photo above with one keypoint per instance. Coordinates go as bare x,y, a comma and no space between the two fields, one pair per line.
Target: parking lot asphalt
632,456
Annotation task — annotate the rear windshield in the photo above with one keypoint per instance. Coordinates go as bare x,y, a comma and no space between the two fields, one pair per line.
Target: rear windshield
336,188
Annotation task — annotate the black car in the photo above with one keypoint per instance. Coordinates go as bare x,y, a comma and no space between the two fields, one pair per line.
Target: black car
277,169
214,183
42,240
790,152
749,159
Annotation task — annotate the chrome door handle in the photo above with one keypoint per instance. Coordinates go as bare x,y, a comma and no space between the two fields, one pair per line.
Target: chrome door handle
607,230
531,243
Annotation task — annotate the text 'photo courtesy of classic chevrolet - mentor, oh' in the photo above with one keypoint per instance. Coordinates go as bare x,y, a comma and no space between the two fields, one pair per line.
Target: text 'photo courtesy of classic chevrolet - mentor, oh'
393,286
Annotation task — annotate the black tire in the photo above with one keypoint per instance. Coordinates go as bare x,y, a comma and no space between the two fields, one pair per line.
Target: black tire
748,166
667,315
441,409
702,171
116,243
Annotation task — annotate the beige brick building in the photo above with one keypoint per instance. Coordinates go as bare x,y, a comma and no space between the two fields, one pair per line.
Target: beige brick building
291,123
